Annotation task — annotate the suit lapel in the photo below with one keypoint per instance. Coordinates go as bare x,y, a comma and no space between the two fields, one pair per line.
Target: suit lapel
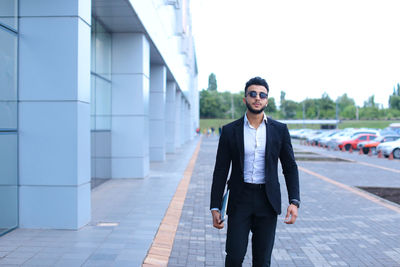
240,140
269,141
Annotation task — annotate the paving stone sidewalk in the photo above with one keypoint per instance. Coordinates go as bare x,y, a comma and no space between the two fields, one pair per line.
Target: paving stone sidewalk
335,227
131,209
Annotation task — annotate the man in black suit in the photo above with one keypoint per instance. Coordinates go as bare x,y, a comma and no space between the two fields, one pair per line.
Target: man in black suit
252,146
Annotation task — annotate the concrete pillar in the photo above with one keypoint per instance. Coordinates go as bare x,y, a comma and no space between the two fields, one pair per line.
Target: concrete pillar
178,112
130,105
54,114
188,129
182,121
194,107
185,114
170,117
158,83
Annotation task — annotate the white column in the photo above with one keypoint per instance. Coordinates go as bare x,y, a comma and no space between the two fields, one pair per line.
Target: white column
184,113
178,112
130,105
158,83
194,107
187,122
170,117
54,114
182,121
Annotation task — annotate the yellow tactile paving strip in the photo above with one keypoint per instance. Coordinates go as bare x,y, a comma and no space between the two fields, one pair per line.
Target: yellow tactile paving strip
353,190
160,250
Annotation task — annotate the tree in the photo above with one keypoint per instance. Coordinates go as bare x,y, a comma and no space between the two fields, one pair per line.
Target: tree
346,107
370,109
271,107
289,108
212,82
370,103
349,112
394,100
283,95
225,100
326,107
282,103
310,108
215,105
239,106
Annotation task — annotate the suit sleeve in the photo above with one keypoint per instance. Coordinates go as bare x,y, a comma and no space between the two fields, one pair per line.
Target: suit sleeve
221,170
289,166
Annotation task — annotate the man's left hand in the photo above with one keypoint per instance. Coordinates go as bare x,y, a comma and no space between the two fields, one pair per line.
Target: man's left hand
291,214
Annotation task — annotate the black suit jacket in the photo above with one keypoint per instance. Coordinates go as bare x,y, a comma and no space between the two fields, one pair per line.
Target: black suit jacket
231,150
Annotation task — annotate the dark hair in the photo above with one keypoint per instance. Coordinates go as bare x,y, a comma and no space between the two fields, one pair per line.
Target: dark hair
256,81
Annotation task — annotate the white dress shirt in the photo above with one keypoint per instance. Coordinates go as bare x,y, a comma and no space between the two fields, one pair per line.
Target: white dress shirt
254,151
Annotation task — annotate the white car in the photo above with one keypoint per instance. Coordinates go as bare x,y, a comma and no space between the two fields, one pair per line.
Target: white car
389,147
325,140
295,133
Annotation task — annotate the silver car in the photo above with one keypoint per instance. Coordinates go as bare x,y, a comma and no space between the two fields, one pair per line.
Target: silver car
388,148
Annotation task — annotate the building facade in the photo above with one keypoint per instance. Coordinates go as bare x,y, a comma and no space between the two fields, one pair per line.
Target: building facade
89,91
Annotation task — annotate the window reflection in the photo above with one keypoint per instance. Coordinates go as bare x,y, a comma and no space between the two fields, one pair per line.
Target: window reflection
92,102
103,104
8,116
101,77
100,103
8,13
8,182
103,52
8,79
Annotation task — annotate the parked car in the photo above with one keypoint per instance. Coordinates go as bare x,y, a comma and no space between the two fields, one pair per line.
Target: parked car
349,135
315,139
332,140
389,131
354,140
311,135
296,133
371,145
394,127
310,132
324,141
390,147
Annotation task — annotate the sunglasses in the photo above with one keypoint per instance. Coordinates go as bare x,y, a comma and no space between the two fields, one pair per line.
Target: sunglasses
253,94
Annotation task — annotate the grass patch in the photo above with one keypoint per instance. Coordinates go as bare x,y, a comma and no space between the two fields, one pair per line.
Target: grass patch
208,123
379,124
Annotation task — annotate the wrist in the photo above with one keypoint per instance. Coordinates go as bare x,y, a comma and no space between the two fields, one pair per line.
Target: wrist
295,202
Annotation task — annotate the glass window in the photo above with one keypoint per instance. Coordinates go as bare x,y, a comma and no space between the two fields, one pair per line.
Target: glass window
8,116
8,79
8,182
100,102
103,104
101,77
92,102
103,52
93,48
9,13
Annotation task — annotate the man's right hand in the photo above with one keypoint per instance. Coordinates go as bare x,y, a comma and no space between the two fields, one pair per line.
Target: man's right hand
217,223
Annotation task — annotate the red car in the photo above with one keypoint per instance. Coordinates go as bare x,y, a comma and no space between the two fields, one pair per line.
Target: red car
352,143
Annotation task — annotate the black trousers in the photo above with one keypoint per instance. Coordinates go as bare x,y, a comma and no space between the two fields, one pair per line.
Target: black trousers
254,213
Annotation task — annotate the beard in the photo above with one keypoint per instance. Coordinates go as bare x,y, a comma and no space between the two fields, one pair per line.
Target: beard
254,111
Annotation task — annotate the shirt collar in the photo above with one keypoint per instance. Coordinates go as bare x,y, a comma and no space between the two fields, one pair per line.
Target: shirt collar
246,121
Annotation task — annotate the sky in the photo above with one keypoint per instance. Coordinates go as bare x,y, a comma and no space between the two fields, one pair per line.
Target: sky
301,47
